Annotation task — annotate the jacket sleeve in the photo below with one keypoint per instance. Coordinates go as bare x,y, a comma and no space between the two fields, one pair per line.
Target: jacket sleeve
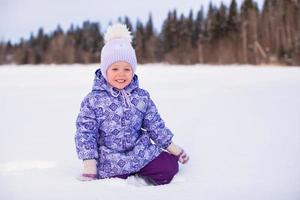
86,131
155,126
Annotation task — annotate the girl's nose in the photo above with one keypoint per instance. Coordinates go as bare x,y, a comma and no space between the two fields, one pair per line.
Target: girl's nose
121,72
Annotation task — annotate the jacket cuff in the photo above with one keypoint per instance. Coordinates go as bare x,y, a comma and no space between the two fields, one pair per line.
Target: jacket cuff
167,144
88,155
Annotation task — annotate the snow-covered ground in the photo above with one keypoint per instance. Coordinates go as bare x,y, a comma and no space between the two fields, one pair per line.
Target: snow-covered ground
240,125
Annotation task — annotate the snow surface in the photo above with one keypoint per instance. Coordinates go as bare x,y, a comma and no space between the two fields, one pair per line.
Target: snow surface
240,125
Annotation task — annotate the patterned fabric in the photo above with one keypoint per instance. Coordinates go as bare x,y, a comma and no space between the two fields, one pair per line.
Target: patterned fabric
123,136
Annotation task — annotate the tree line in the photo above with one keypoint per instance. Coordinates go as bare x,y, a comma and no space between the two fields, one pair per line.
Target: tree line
224,35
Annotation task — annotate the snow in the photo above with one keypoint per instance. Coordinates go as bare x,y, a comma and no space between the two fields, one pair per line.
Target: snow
239,124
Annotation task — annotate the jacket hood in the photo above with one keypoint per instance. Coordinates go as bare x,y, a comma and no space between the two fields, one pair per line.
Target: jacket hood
101,84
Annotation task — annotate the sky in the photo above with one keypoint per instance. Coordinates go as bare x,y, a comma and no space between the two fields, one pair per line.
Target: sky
20,18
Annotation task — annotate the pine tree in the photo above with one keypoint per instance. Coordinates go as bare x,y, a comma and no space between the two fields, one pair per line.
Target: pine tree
40,46
168,33
199,27
222,20
232,20
128,24
182,54
212,23
139,41
191,28
249,16
149,28
151,42
2,52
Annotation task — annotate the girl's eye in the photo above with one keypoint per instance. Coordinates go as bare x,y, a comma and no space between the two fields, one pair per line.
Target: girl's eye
114,69
127,69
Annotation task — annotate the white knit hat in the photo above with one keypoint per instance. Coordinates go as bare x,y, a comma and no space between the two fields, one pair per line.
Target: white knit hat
117,48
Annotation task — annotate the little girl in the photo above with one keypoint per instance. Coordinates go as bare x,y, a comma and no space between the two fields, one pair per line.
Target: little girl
119,130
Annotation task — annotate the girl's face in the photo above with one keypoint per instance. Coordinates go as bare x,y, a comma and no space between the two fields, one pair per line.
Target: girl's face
119,74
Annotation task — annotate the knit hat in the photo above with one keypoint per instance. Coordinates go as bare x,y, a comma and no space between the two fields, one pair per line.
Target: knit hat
117,48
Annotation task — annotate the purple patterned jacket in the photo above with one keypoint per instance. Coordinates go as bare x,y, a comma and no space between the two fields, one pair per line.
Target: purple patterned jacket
116,128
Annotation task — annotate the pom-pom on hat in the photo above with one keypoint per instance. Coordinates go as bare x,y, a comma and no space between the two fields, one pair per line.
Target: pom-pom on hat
117,48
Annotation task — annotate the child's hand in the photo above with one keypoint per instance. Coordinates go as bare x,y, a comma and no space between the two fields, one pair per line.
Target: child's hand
87,177
89,170
179,152
183,157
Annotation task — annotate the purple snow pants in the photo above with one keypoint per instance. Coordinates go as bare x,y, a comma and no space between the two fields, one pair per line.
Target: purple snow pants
159,171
